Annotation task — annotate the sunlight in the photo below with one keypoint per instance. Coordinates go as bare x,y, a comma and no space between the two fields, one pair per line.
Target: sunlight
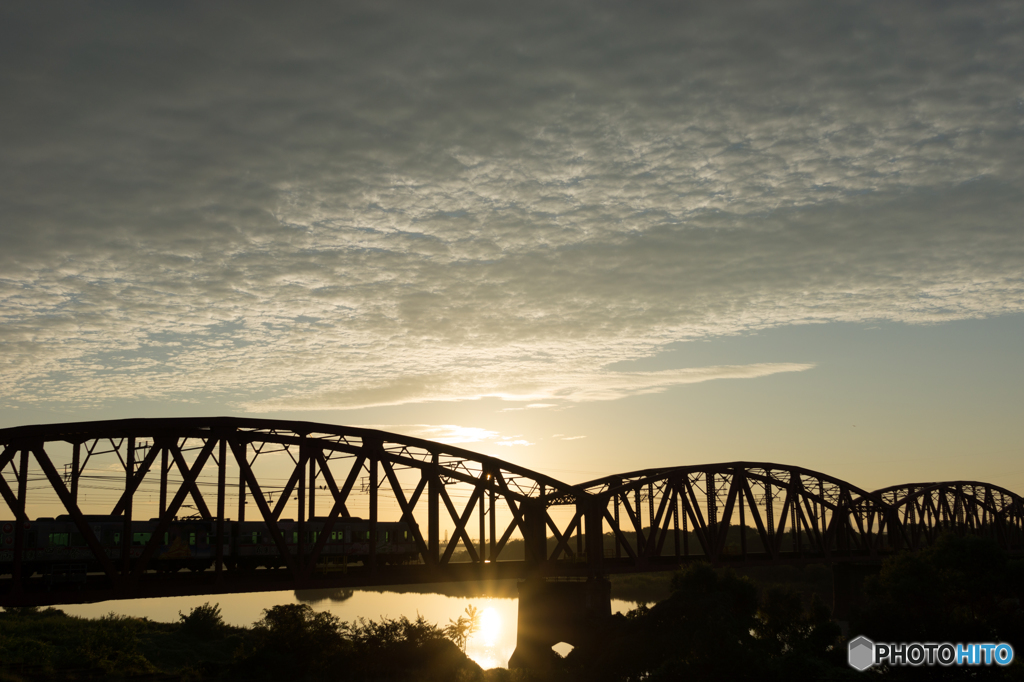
490,626
494,640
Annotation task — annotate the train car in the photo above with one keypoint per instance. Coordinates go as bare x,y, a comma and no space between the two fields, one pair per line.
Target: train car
56,542
253,545
51,545
187,544
350,538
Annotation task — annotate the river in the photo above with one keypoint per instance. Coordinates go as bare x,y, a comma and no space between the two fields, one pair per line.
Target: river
490,647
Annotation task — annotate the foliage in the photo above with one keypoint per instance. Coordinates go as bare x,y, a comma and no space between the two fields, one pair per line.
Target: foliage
46,642
399,648
292,641
459,631
960,589
203,622
714,625
113,648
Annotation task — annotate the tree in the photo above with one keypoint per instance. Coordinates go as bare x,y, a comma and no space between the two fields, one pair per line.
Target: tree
294,641
459,631
203,622
960,589
399,648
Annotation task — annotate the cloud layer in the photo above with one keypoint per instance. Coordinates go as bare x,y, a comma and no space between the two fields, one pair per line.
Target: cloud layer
380,203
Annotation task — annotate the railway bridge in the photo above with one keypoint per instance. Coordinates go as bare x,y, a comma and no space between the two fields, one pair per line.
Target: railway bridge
427,512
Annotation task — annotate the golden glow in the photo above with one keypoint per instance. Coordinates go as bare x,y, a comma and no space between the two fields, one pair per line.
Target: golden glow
490,626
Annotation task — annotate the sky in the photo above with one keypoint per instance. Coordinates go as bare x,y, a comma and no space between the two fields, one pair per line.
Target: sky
585,237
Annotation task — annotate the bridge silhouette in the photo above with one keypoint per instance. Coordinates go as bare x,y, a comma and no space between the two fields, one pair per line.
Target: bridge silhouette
423,511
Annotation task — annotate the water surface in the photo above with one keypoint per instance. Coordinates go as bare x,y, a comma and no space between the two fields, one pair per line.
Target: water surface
490,647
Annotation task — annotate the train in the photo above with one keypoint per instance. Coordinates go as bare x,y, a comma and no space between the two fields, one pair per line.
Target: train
51,544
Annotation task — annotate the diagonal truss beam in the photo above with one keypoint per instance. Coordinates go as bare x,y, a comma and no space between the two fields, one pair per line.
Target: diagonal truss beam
76,515
144,467
179,498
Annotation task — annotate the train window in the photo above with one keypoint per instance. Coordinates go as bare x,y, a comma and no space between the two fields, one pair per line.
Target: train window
117,538
387,536
140,538
295,537
405,535
192,539
167,538
59,539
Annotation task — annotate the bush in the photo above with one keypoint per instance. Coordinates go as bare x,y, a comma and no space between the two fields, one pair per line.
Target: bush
203,622
399,648
112,647
292,641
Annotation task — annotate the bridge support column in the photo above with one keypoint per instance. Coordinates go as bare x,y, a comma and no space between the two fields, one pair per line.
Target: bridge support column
593,517
553,612
534,533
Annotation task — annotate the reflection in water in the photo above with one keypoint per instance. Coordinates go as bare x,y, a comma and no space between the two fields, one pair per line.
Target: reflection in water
495,640
563,649
336,594
490,625
491,646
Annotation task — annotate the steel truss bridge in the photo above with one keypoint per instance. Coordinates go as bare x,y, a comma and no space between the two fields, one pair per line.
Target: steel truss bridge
470,516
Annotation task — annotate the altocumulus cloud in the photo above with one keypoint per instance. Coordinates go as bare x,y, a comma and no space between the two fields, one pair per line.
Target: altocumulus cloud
366,204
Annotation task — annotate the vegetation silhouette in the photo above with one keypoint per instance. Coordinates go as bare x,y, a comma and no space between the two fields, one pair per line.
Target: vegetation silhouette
714,625
718,625
202,622
460,630
962,589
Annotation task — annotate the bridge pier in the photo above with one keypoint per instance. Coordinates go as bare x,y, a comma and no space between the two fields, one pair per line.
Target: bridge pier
557,611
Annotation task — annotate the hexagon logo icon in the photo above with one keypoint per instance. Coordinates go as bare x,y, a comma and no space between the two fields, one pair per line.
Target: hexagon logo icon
861,653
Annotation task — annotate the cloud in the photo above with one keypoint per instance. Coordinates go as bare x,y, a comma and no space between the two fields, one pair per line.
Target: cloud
531,406
381,203
562,386
451,434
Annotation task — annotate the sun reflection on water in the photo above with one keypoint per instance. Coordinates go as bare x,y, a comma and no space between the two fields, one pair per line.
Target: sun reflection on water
495,639
490,626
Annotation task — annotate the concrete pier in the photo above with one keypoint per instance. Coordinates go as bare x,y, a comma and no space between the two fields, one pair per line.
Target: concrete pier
557,611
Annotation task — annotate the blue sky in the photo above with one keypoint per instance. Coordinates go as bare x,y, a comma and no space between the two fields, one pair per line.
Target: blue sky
588,237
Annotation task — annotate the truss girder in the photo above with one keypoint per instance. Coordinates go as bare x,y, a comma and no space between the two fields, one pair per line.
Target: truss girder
457,488
651,519
784,512
921,512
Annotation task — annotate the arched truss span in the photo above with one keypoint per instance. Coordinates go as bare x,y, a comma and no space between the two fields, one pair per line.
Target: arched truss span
265,470
739,511
920,512
297,480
